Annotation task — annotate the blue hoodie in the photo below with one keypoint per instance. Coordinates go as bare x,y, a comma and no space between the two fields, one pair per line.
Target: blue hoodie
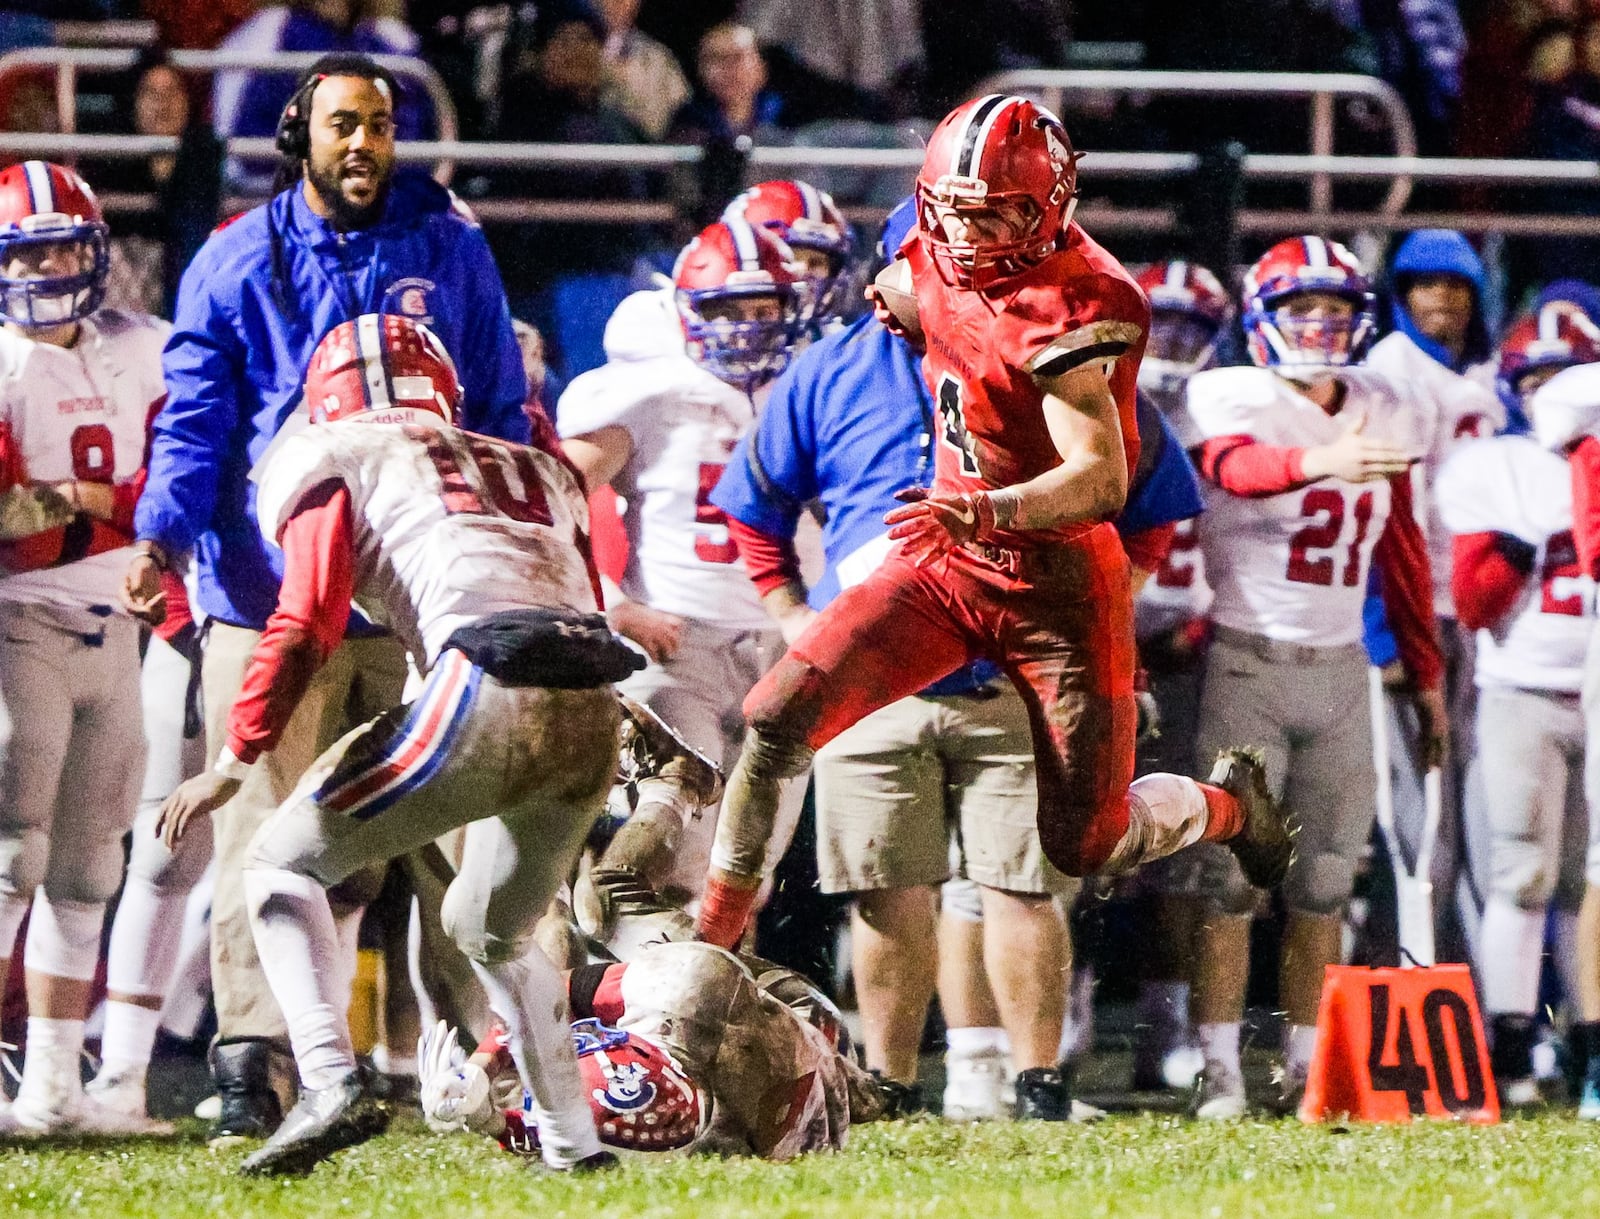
1440,252
234,363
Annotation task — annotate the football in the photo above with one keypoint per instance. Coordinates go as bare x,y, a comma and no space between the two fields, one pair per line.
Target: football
895,302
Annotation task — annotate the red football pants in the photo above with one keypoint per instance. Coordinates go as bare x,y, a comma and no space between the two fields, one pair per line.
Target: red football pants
1060,622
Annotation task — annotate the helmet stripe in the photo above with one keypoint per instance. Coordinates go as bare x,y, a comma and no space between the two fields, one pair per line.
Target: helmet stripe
1549,323
1177,273
810,200
369,350
1316,252
744,243
40,186
995,114
965,146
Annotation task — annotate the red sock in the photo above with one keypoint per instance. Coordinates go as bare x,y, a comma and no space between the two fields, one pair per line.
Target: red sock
1224,815
724,911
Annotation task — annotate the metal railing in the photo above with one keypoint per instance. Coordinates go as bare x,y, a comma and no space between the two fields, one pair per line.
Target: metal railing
1400,170
1321,89
69,62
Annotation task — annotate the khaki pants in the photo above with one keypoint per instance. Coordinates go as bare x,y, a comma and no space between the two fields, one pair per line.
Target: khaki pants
362,678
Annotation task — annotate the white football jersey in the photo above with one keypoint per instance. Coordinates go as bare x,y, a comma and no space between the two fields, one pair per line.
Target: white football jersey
1513,485
82,413
645,325
1177,591
683,424
449,526
1459,409
1293,567
1567,407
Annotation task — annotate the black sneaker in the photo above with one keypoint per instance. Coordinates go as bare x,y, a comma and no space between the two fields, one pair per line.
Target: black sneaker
600,1161
243,1074
1043,1095
325,1121
1511,1040
1263,847
899,1100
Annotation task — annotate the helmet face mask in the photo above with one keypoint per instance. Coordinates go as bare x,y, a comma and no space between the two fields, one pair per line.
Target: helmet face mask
54,252
1307,307
819,238
997,189
743,301
1535,348
1181,343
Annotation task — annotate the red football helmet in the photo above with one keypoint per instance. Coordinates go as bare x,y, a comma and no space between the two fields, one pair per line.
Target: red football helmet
1294,267
1558,336
50,219
742,299
1005,166
1188,309
382,368
641,1097
807,220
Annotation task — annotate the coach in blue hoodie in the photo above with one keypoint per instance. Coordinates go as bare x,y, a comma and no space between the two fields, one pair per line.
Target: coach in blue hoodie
1438,354
343,236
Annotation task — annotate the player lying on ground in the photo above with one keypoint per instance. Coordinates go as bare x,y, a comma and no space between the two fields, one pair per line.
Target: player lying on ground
474,550
687,1048
1034,335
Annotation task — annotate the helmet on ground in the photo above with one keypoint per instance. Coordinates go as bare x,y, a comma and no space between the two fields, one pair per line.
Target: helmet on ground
641,1097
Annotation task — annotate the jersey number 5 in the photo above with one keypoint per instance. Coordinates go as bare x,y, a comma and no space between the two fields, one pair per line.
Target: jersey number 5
509,473
1325,507
709,517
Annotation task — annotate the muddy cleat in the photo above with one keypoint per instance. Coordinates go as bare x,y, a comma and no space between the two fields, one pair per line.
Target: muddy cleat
633,916
600,1161
115,1104
1264,846
325,1121
651,750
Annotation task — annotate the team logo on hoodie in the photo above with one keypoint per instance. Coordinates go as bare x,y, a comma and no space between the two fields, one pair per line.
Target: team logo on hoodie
409,297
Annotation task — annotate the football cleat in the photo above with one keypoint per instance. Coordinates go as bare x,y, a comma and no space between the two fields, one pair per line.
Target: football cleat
325,1121
248,1106
651,750
1220,1095
47,1103
978,1088
1264,846
1043,1095
633,916
600,1161
899,1100
115,1104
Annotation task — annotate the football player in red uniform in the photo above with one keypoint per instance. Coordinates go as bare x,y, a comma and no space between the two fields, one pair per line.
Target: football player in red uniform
1034,335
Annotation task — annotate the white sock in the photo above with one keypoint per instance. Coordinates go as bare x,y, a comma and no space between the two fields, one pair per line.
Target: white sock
1510,947
528,996
1165,814
1220,1044
299,950
976,1042
52,1057
1299,1043
145,938
129,1036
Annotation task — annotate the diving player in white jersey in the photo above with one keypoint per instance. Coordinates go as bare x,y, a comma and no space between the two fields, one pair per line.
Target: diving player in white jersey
659,429
78,386
474,551
1307,463
1508,502
1188,310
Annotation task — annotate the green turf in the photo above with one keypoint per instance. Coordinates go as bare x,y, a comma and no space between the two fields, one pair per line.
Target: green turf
1144,1166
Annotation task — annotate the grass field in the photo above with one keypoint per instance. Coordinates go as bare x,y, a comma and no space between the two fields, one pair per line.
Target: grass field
1546,1168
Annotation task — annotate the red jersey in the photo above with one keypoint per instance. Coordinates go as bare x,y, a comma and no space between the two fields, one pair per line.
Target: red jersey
987,345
